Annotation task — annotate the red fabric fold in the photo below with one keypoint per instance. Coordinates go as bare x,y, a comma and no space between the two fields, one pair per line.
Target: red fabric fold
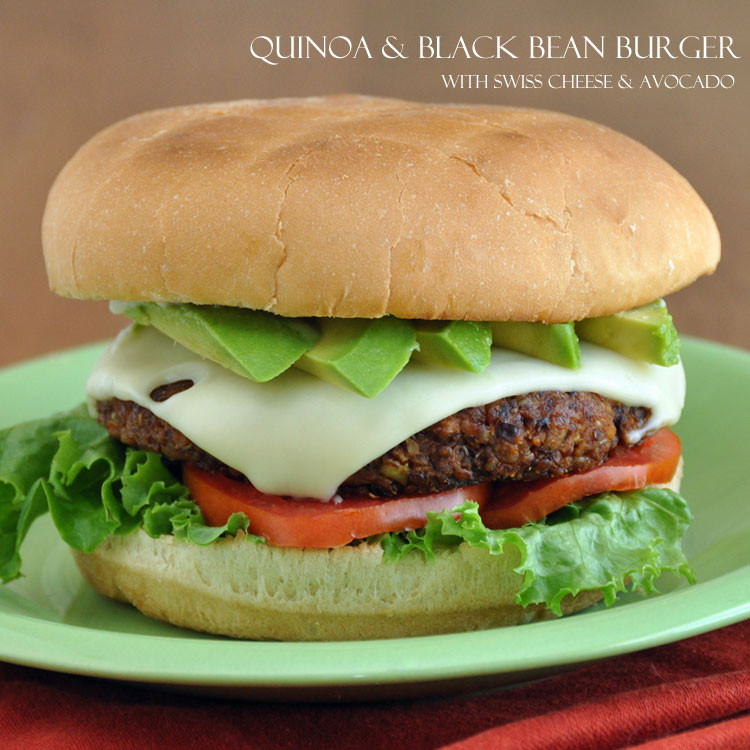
733,734
624,717
691,694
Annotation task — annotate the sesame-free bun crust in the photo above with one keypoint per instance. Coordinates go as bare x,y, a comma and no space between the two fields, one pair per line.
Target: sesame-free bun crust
237,588
360,207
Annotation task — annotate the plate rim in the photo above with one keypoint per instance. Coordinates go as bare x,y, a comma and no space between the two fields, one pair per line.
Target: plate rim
729,587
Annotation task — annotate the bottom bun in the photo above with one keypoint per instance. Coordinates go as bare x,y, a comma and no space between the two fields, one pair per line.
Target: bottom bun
241,589
237,588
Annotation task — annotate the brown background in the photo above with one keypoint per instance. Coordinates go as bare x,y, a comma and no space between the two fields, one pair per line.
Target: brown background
69,68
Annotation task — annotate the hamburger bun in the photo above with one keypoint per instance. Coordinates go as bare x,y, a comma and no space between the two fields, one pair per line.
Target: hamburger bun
388,207
352,206
257,591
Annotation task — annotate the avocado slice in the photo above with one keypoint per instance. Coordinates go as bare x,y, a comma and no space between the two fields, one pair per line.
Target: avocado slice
252,343
464,344
645,333
361,355
557,343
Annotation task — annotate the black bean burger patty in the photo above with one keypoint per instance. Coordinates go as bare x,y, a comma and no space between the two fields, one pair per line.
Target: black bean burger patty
521,438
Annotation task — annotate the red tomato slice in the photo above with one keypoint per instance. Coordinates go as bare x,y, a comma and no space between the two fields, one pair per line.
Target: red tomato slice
309,523
654,461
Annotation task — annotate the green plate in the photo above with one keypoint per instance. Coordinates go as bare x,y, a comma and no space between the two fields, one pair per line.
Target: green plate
52,619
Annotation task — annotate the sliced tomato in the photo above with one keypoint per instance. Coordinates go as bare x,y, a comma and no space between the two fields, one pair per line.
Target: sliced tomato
654,461
309,523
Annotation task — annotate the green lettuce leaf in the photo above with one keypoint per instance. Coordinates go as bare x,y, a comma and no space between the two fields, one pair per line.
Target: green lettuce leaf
93,486
612,542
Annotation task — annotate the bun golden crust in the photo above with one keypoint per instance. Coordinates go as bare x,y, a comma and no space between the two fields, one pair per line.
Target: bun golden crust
359,207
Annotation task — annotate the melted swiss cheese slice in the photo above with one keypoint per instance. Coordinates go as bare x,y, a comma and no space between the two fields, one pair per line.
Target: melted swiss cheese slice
298,435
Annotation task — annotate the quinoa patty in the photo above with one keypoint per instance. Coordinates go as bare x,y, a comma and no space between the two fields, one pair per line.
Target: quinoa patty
520,438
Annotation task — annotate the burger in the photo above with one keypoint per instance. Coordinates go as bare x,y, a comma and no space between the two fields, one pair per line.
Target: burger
389,368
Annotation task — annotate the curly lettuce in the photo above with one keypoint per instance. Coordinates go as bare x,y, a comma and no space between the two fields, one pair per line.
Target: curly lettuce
613,542
92,486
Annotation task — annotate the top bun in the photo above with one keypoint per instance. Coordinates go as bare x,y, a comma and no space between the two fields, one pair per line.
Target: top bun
361,207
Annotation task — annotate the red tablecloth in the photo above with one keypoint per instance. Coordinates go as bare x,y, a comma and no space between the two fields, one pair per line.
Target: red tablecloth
688,695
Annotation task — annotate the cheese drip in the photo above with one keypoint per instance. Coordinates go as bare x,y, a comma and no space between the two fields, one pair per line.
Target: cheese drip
300,436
